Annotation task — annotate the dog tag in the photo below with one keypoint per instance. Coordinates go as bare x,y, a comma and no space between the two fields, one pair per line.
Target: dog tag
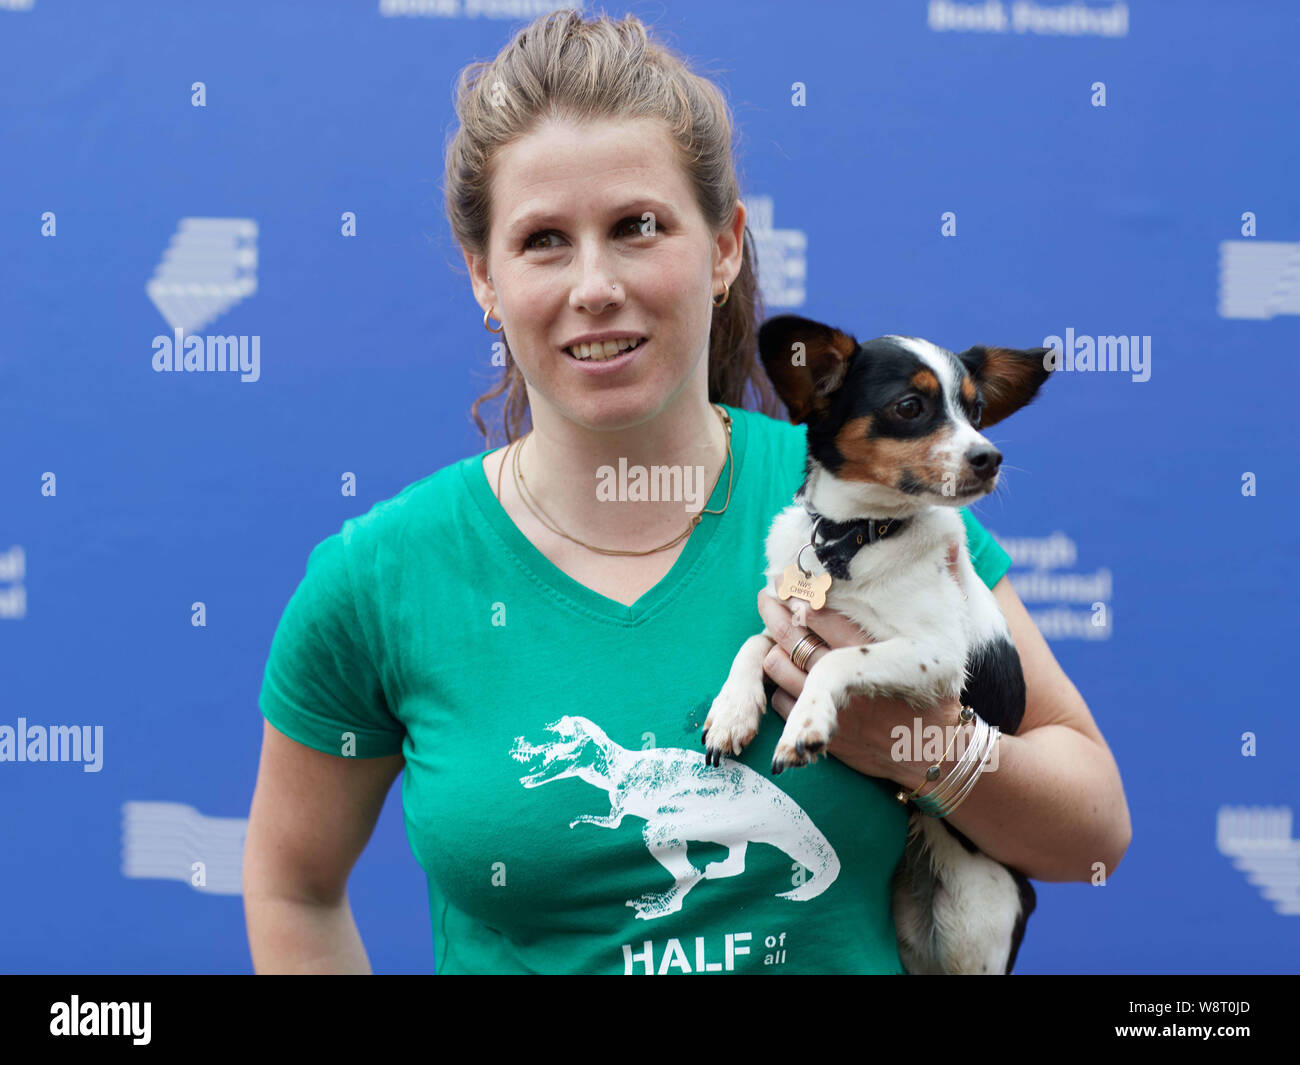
810,589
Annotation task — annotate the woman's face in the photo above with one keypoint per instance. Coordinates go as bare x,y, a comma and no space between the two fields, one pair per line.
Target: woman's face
595,229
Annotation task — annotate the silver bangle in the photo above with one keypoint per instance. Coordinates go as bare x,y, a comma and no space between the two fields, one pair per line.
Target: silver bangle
995,734
967,764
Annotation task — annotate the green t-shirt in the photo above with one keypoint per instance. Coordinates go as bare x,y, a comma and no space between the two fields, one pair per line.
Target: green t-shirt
555,791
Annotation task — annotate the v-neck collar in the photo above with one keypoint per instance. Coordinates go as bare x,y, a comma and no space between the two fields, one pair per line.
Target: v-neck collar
577,593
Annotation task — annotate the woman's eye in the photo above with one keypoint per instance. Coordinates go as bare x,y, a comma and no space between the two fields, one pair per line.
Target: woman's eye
645,226
908,408
632,226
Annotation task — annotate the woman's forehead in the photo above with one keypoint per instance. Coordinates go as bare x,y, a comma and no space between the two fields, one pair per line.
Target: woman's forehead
550,173
562,146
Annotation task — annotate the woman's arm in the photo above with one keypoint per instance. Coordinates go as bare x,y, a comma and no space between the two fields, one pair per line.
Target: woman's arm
1054,806
311,817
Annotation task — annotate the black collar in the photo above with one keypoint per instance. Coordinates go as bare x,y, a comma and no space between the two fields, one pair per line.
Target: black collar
836,542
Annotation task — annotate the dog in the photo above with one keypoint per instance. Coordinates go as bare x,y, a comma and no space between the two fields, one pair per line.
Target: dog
894,448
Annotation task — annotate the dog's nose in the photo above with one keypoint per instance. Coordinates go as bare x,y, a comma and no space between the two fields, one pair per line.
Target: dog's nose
984,460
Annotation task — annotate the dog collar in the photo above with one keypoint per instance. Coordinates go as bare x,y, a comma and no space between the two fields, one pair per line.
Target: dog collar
836,542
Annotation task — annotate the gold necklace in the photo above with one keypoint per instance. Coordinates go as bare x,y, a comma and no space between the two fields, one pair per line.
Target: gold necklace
524,495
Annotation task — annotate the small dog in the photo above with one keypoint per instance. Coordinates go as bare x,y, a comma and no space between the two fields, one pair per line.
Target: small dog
893,451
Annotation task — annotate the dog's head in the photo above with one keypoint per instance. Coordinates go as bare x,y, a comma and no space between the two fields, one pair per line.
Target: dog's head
899,416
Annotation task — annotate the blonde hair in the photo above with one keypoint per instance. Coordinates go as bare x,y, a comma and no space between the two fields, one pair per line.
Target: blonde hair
562,66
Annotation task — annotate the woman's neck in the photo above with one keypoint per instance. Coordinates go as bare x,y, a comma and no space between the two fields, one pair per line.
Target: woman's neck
635,485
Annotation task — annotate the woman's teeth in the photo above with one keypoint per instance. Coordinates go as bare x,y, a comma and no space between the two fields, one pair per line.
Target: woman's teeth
602,349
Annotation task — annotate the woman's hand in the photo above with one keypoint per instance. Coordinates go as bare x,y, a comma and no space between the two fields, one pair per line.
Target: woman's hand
863,738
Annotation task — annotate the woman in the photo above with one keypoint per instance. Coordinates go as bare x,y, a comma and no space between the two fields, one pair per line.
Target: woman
540,656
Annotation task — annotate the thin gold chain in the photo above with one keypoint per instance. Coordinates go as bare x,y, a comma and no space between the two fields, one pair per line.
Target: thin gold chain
524,495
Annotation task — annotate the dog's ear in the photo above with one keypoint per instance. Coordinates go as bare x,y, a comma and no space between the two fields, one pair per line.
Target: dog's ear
1007,377
806,361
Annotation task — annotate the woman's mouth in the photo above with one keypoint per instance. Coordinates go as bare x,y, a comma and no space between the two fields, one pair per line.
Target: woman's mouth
603,350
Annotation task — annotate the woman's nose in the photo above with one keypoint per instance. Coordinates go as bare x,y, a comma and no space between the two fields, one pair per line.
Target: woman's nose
596,289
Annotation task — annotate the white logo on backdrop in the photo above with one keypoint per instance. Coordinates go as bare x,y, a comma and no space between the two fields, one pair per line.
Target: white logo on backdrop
1061,20
1258,278
1258,840
1067,591
507,9
782,254
173,841
209,267
13,593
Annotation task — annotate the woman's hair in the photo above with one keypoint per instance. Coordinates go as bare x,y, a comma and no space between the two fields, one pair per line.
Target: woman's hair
564,67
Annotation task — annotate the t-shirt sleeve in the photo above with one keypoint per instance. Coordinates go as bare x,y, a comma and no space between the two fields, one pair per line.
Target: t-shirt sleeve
987,556
321,686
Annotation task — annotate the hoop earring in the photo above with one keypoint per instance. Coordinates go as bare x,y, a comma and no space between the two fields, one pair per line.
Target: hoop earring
486,315
726,293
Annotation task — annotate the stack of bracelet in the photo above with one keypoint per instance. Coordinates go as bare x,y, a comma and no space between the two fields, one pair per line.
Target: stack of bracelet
952,792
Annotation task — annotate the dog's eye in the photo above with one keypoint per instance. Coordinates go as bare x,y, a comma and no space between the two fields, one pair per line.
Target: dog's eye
908,408
977,414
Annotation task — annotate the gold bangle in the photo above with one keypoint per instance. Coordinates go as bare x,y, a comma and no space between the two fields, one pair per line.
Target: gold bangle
932,774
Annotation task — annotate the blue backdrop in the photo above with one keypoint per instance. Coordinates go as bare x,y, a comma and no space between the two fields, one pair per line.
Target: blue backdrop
270,172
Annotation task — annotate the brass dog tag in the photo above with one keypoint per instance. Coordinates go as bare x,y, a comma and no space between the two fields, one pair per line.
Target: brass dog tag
810,589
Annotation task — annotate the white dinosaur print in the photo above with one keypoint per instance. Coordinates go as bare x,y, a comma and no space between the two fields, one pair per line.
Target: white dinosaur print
682,799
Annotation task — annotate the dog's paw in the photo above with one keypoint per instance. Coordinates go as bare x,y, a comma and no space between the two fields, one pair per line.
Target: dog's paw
808,730
732,722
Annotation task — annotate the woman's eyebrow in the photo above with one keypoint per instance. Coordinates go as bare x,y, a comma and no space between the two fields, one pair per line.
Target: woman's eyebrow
544,217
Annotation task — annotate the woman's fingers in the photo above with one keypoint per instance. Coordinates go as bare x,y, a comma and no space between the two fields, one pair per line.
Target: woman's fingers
778,666
830,627
833,627
782,703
